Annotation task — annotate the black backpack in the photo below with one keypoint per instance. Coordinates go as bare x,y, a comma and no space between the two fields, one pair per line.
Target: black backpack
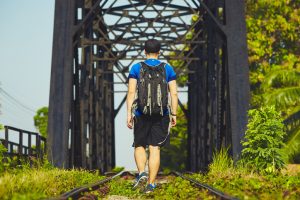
152,90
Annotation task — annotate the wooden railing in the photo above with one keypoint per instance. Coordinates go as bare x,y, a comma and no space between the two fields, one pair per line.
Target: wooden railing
36,149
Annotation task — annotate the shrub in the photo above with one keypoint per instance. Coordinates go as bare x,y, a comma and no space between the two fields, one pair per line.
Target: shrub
2,150
264,140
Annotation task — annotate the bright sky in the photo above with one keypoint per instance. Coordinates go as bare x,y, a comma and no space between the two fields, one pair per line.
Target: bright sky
25,63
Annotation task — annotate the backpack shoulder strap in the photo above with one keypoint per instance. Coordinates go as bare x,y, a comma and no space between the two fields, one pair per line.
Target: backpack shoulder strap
143,64
162,64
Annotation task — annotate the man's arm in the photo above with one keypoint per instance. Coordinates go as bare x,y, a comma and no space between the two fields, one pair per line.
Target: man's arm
130,98
174,101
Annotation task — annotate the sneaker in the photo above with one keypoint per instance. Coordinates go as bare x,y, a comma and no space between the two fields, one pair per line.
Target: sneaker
150,187
140,180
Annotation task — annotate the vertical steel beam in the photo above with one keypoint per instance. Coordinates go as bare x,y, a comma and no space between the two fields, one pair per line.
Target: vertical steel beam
238,71
197,106
61,83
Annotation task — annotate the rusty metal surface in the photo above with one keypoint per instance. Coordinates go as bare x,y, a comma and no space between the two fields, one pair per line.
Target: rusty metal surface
95,43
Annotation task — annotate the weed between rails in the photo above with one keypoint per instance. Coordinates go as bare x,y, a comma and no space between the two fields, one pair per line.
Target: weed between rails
172,188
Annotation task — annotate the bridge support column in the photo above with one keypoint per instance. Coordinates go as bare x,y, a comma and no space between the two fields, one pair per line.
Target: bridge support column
218,97
238,71
61,84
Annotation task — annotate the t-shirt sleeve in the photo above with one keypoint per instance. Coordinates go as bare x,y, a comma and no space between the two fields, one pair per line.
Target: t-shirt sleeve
171,74
134,71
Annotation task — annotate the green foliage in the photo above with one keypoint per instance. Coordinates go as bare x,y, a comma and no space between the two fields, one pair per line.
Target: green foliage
274,60
173,157
1,127
123,187
240,183
221,161
292,145
283,97
42,183
281,88
41,120
264,140
2,163
175,188
178,188
118,169
279,78
273,32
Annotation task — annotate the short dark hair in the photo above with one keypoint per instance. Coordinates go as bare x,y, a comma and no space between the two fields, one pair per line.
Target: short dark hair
152,46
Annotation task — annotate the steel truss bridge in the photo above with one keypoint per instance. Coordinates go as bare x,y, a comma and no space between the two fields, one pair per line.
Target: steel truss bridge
96,41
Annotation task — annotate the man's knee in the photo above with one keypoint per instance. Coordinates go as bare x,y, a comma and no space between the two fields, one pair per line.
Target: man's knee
139,148
154,148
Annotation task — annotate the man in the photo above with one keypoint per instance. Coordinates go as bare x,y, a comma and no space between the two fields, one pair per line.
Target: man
150,114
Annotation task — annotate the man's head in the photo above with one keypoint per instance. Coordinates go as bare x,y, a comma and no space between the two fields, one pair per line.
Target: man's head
152,48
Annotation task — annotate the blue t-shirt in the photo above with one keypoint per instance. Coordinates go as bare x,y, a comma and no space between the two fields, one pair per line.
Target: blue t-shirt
135,73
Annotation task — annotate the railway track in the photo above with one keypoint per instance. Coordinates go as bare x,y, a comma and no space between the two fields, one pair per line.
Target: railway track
82,191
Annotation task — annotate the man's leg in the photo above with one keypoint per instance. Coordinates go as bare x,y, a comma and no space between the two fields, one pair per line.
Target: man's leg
140,158
154,162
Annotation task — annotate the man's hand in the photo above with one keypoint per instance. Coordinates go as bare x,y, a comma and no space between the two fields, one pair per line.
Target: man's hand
174,101
173,121
129,121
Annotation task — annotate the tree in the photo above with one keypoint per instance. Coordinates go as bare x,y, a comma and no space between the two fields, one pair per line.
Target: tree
274,60
41,120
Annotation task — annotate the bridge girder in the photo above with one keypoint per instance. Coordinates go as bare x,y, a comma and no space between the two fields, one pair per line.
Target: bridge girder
96,41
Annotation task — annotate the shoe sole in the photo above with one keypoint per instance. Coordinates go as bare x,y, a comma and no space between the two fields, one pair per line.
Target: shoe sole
149,191
141,182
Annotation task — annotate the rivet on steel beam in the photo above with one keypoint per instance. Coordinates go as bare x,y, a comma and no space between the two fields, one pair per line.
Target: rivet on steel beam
125,13
176,13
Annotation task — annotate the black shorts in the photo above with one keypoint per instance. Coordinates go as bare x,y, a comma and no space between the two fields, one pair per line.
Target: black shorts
151,130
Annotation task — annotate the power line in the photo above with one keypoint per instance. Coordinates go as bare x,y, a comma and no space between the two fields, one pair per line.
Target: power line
13,119
17,101
10,104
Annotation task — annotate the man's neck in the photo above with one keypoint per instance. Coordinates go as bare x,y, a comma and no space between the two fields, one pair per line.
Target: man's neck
152,57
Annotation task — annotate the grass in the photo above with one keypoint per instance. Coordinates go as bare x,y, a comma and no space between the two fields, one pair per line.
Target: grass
42,183
253,186
245,183
221,161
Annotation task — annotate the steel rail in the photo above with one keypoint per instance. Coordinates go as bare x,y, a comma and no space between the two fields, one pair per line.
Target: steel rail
205,186
77,192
